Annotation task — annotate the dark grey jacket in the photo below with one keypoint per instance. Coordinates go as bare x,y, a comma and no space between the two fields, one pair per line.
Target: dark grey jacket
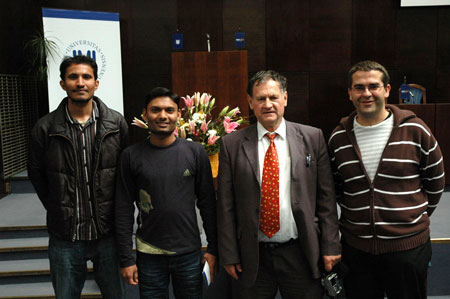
52,168
239,195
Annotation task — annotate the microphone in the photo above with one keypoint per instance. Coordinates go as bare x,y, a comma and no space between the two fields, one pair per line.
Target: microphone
207,40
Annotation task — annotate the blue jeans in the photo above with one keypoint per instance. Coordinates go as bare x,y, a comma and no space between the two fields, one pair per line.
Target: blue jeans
68,267
155,271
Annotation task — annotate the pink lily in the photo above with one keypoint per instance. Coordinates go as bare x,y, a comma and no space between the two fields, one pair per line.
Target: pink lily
175,132
205,99
183,132
196,97
139,123
192,126
229,126
188,101
213,139
204,126
234,112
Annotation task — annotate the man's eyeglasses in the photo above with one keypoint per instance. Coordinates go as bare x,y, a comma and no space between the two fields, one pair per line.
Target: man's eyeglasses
370,87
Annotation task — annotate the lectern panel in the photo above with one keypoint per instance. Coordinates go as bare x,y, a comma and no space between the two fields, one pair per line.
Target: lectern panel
224,74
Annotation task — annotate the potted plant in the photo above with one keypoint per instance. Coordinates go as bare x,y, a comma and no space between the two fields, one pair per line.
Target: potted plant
38,49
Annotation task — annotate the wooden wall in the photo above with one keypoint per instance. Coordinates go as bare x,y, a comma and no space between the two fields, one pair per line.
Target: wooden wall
313,43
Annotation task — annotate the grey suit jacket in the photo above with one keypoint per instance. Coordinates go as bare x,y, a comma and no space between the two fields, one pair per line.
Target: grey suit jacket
239,194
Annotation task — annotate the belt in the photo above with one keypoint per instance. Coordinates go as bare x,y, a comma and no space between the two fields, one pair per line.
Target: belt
273,245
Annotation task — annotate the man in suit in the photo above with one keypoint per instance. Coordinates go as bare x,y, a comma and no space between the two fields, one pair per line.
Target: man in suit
277,219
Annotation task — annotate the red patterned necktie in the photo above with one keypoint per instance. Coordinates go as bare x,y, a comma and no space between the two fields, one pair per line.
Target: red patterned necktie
270,186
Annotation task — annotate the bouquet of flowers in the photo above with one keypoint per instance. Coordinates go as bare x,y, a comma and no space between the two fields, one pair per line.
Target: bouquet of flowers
197,124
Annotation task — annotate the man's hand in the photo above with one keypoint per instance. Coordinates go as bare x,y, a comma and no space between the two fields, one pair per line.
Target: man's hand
330,260
233,270
130,275
211,259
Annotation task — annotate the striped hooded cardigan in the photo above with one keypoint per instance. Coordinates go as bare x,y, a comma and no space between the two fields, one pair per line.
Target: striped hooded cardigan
390,213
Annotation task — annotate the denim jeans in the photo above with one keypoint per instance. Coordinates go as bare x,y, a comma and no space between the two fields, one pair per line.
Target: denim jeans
68,267
155,271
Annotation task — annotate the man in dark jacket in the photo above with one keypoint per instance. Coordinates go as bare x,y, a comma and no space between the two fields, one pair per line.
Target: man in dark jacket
166,177
276,213
74,151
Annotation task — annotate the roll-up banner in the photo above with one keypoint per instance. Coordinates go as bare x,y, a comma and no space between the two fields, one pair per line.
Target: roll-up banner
92,33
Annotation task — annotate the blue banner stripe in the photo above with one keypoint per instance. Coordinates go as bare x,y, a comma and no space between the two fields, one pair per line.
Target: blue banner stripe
79,14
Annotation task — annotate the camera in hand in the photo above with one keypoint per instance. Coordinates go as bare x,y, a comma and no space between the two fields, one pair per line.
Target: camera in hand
332,284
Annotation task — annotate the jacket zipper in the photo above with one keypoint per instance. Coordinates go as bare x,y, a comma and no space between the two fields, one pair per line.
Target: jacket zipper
95,173
74,234
372,215
372,190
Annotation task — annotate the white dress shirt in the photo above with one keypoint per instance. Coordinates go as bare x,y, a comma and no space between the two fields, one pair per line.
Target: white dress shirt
288,228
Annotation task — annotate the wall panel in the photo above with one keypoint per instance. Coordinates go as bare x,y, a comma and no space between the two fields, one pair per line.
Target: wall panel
287,35
198,17
442,93
330,35
19,21
416,38
443,40
250,16
441,134
373,31
298,97
150,41
329,100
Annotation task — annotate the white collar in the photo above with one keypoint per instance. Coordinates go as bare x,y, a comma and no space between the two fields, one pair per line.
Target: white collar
281,130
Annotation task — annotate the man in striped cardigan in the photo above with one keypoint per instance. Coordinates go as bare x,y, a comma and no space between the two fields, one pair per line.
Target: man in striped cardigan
389,178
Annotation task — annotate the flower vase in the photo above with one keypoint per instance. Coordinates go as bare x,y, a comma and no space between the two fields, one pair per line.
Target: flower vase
214,160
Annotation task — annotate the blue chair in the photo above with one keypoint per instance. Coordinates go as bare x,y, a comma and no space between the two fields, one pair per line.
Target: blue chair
418,95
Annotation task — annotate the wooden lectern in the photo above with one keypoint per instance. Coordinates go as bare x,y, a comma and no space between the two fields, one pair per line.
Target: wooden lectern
223,74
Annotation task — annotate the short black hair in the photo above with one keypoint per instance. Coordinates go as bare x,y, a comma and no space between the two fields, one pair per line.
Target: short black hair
263,76
80,59
161,92
367,66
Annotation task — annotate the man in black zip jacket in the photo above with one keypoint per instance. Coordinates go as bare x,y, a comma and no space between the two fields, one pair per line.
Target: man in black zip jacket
74,151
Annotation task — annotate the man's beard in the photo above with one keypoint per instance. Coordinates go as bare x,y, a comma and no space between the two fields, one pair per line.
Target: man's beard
161,133
80,101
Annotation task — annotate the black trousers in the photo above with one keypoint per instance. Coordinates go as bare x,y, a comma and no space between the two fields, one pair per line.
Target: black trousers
285,269
398,275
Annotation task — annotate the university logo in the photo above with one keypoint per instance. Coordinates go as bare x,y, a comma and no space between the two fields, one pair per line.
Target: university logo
91,49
